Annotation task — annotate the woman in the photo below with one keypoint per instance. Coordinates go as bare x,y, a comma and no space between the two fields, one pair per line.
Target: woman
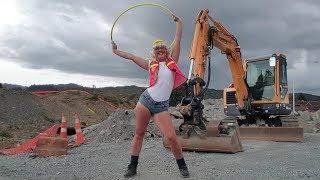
154,101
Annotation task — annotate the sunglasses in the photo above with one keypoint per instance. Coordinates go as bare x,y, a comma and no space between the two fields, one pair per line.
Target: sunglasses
157,48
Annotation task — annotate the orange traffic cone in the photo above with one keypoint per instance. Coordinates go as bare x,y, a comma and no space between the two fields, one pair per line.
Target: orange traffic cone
79,135
63,132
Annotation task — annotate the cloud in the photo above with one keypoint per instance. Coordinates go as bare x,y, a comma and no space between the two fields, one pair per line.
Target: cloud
74,36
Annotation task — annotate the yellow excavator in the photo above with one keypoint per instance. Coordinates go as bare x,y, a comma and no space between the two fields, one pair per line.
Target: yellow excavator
256,102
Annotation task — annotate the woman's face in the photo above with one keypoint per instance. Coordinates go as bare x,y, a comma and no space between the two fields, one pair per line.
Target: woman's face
160,53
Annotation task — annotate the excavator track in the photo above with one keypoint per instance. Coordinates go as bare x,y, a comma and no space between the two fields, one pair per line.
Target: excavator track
289,131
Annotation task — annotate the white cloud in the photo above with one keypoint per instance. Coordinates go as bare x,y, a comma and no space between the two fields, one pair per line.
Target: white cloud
10,13
13,73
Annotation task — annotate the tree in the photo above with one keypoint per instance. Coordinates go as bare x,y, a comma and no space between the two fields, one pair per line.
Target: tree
302,97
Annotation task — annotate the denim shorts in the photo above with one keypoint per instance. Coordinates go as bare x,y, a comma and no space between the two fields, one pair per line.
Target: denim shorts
153,106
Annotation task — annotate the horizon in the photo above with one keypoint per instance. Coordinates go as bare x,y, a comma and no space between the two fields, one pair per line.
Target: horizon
127,86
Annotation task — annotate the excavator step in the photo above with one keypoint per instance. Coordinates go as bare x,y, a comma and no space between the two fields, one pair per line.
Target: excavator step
293,134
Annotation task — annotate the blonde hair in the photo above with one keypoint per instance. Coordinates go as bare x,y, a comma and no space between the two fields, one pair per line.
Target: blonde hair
159,43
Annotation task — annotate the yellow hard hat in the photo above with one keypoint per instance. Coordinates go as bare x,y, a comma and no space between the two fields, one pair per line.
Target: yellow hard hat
159,42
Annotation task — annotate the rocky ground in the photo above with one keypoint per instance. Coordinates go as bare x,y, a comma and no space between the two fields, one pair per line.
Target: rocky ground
105,154
108,160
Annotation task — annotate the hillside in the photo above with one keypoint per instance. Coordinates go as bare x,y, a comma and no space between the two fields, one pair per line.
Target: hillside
23,114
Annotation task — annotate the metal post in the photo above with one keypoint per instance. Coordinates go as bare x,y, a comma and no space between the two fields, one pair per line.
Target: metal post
293,99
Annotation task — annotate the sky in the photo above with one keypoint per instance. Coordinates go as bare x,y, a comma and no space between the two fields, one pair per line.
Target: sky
66,41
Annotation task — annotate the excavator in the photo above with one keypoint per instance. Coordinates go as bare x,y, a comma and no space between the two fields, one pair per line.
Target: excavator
256,103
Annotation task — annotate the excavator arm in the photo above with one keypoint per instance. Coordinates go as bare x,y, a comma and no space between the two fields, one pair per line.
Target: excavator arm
197,133
210,33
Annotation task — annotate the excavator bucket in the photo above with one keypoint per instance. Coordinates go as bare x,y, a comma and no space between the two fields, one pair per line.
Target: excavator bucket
294,134
213,141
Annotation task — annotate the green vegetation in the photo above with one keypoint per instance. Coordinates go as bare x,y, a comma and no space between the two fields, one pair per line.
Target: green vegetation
94,97
301,96
49,119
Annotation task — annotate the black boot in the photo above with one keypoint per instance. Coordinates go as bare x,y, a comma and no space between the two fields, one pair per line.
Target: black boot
184,171
132,167
183,168
131,171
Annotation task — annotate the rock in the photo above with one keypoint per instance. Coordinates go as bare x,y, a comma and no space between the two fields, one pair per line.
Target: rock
175,113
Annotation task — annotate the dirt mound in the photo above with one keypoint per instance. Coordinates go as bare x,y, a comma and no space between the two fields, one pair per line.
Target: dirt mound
119,126
21,116
91,109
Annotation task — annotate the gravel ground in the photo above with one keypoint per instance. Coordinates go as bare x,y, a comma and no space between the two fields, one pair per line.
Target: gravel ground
260,160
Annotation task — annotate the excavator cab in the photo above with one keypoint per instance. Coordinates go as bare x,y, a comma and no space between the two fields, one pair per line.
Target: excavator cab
266,115
266,79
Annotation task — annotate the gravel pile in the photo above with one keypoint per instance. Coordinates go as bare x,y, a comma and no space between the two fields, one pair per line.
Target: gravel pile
213,109
309,121
118,127
19,107
21,117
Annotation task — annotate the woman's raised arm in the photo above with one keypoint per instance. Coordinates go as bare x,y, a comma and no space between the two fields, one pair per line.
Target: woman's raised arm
136,59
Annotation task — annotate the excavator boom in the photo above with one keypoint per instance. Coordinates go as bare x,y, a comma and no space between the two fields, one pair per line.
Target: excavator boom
197,133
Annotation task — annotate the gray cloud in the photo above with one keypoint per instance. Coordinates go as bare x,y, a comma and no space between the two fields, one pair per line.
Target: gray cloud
73,36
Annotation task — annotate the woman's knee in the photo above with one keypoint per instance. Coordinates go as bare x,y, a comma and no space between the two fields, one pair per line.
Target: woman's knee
172,138
139,134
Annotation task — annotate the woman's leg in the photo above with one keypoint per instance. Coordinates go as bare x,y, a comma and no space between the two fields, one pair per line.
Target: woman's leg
164,122
142,118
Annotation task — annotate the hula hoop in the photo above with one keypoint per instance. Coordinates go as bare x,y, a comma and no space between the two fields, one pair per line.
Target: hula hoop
162,7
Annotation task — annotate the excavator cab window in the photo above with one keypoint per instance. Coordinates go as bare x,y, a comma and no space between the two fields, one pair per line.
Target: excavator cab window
283,78
283,72
260,79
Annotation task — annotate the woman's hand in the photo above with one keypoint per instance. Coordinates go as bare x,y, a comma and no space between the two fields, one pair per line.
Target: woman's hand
175,18
114,47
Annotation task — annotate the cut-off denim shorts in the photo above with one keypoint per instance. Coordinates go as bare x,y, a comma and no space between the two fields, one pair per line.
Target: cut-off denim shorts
153,106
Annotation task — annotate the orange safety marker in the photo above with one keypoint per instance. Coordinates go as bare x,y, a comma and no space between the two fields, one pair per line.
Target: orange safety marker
63,132
79,135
